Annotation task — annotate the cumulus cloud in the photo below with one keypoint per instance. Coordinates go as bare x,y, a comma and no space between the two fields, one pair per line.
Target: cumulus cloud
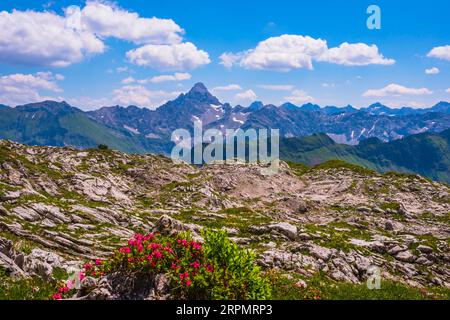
230,87
108,20
356,54
171,77
299,97
442,52
248,95
43,38
229,59
176,57
281,53
141,96
396,90
288,52
448,90
433,70
276,87
16,89
48,39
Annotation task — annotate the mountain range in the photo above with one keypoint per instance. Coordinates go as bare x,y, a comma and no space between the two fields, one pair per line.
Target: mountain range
379,137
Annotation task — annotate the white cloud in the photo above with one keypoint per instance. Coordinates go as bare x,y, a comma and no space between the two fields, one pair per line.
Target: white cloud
442,52
299,97
248,95
276,87
328,85
108,20
288,52
128,80
396,90
230,87
229,59
48,39
16,89
448,90
356,54
43,38
121,69
171,77
282,53
141,96
176,57
433,70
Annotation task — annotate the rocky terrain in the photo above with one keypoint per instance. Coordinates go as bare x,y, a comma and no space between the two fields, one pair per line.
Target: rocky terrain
61,206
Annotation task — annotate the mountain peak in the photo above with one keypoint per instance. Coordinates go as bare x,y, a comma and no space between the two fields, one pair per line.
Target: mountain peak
376,105
256,105
199,87
201,93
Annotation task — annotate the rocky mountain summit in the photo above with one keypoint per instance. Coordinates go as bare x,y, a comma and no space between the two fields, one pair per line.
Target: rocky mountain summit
61,206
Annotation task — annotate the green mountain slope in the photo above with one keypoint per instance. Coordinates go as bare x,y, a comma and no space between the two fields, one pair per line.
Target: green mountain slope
58,124
427,154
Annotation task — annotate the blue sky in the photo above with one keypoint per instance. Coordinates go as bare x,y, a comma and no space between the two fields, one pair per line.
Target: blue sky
100,53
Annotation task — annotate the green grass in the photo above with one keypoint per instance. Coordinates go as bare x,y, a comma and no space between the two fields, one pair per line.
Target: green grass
327,289
24,289
390,205
338,164
338,239
298,168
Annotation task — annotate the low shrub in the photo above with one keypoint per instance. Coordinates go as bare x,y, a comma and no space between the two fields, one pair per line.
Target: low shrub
214,269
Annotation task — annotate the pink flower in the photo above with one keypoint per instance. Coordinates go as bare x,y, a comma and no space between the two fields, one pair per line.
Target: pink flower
168,249
140,247
195,264
154,246
157,254
88,266
148,237
188,283
125,250
57,296
82,276
209,268
197,246
98,262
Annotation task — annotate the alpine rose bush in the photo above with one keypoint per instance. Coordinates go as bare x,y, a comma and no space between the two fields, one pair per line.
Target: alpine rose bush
196,270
